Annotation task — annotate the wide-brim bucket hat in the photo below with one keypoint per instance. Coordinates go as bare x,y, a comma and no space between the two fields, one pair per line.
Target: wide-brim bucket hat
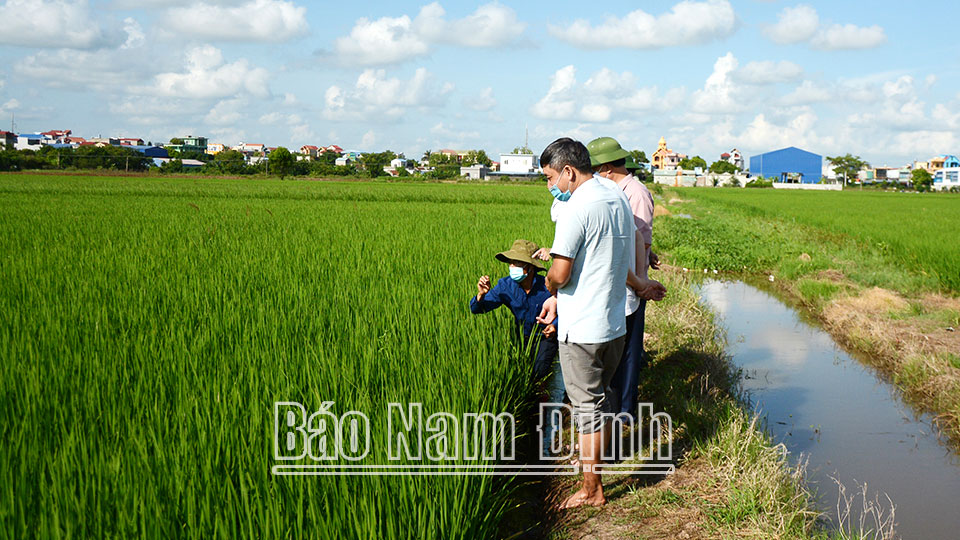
605,150
521,250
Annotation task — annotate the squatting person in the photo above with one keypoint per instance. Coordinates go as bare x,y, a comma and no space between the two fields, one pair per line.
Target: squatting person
523,291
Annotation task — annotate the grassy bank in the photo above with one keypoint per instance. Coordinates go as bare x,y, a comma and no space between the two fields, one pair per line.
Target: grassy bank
879,270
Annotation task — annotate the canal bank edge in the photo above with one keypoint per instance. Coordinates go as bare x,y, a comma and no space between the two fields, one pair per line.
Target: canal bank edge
909,332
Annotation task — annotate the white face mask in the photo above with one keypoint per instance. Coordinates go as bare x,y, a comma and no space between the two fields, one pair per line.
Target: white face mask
517,274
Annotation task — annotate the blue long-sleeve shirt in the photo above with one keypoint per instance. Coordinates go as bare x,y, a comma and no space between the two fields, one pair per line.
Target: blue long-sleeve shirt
507,292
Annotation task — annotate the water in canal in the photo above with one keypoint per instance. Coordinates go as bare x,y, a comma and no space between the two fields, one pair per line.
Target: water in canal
850,423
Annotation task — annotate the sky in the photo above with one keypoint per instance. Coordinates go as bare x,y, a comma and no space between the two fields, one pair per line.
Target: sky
876,79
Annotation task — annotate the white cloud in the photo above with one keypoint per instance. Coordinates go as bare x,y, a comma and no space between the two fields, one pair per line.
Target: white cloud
226,112
55,24
84,70
801,24
375,96
388,40
720,94
484,102
10,105
808,92
769,72
384,41
687,23
448,136
491,25
369,139
255,20
794,25
595,112
606,94
557,105
289,99
135,35
208,76
849,36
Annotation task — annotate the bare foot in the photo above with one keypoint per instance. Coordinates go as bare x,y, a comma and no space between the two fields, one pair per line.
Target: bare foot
582,498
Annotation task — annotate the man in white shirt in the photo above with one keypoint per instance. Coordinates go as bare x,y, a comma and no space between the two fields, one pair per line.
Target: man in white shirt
592,252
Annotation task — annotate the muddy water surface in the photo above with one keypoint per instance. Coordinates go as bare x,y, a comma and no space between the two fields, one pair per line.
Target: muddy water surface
850,424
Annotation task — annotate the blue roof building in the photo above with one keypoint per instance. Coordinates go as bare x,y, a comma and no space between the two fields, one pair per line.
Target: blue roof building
788,165
150,151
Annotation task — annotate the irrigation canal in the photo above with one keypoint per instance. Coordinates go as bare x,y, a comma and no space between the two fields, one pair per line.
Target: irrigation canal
845,419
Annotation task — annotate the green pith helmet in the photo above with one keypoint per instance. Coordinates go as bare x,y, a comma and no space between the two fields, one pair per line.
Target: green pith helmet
604,150
521,250
630,164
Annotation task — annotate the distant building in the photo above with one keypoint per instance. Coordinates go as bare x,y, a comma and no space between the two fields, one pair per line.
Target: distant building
150,151
309,150
734,158
947,178
29,141
342,161
664,158
519,164
190,144
127,141
8,139
788,165
56,135
105,141
478,171
215,148
942,162
455,154
250,149
333,148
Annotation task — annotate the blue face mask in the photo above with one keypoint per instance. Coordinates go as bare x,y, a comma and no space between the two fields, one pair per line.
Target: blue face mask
517,274
562,196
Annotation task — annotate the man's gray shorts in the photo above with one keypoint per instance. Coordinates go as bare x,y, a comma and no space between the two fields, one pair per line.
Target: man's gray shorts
587,370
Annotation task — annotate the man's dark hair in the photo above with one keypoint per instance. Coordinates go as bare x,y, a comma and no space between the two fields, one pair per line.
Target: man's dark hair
566,151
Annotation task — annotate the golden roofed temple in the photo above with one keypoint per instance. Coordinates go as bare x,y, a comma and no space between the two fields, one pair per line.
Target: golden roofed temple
664,158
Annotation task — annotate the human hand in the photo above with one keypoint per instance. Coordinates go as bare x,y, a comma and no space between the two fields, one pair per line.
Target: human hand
549,312
549,331
654,261
483,286
653,290
542,254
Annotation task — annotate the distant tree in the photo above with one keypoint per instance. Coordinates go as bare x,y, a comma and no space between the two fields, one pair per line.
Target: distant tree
484,159
921,180
693,163
847,166
437,159
281,161
374,163
522,150
723,166
176,140
639,156
426,156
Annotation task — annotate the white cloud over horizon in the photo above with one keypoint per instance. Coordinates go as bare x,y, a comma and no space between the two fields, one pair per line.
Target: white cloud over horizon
389,40
801,24
254,20
687,23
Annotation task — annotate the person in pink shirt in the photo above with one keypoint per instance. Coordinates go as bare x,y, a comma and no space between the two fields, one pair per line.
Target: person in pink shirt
608,159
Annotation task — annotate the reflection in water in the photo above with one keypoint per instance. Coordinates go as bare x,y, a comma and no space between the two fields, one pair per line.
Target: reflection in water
850,424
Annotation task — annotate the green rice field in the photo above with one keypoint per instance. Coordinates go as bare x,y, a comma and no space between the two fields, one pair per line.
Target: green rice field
150,325
915,231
